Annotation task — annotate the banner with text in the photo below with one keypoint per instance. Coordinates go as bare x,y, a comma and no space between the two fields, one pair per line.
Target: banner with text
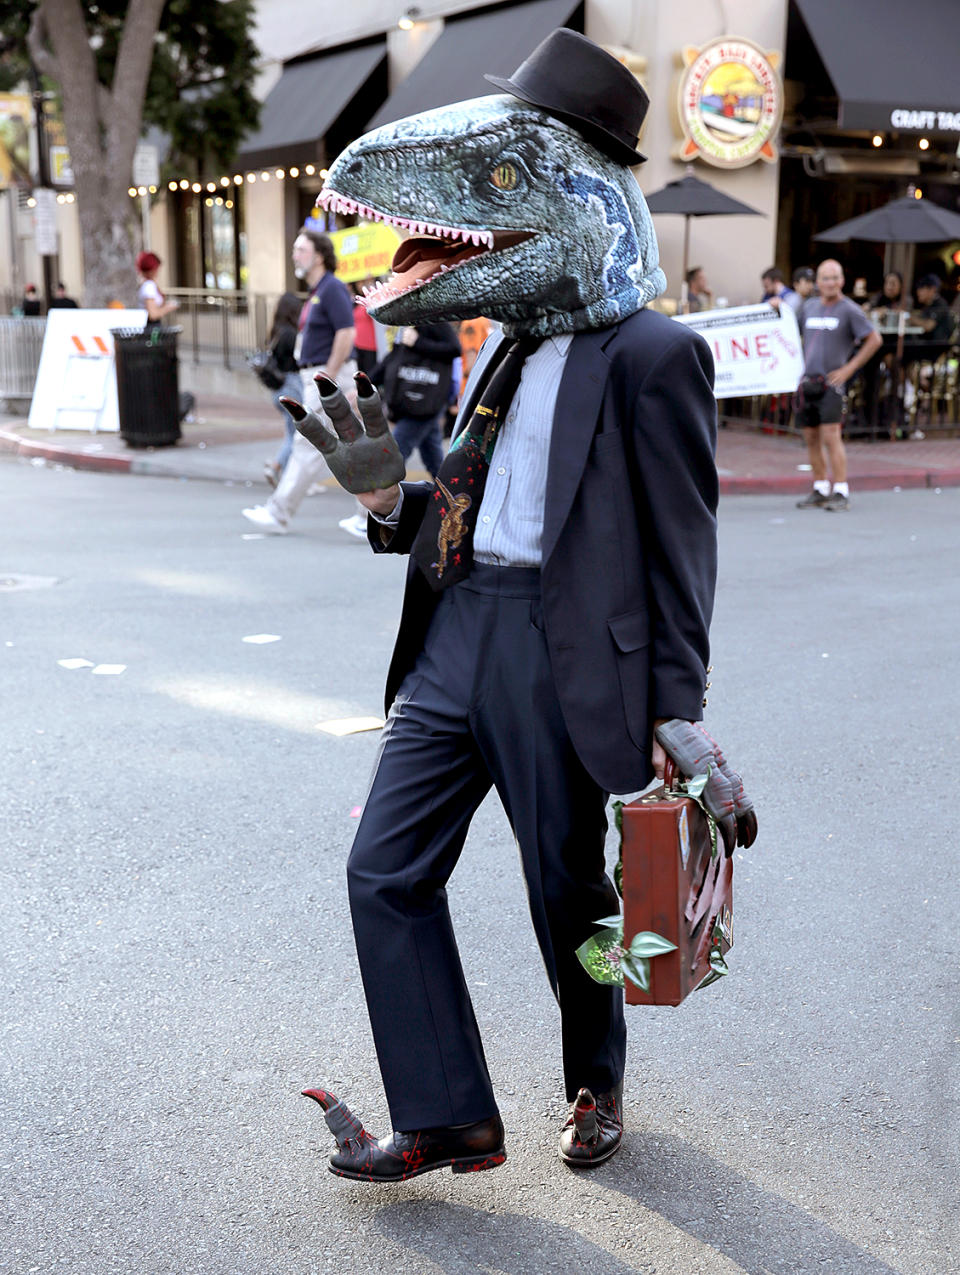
756,349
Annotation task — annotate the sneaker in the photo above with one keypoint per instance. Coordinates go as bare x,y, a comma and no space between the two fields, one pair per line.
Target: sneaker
261,517
836,502
354,526
813,500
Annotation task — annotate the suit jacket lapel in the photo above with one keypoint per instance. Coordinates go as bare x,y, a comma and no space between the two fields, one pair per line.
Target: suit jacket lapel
574,424
476,375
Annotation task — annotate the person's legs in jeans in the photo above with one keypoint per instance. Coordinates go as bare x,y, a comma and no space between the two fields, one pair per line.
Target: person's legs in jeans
423,432
306,465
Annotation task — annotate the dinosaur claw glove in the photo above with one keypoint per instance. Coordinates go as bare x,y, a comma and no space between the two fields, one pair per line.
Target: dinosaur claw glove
694,752
360,450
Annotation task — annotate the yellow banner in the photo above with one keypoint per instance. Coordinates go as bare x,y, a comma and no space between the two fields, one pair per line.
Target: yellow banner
16,116
364,252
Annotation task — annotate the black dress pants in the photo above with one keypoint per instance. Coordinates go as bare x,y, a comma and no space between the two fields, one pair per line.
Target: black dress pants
478,708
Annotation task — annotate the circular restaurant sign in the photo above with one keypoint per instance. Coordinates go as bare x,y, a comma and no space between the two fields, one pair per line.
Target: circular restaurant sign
731,103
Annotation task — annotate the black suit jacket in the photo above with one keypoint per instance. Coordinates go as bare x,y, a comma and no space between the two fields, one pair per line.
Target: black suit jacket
629,541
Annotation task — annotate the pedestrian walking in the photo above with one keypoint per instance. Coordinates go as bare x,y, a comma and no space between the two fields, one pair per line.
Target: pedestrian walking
838,339
283,340
558,594
325,344
417,376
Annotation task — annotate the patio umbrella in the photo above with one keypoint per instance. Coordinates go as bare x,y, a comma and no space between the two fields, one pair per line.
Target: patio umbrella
691,197
906,220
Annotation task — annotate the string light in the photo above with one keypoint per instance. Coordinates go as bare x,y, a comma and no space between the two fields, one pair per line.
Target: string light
238,179
171,185
280,174
251,177
225,181
294,172
196,188
132,191
877,139
211,186
184,184
923,144
264,177
309,170
918,193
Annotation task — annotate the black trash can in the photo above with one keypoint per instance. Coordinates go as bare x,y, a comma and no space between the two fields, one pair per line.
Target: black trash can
148,391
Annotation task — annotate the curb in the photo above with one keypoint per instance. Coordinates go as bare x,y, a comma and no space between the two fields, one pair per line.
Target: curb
730,484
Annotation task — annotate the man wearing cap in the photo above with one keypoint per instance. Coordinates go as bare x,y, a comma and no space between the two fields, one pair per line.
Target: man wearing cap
934,316
559,589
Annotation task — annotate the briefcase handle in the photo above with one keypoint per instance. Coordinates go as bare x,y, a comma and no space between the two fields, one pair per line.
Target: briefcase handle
670,774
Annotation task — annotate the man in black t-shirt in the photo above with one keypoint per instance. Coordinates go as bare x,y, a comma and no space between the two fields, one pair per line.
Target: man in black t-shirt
934,317
838,339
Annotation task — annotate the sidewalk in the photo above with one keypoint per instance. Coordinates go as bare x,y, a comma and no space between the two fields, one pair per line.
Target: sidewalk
233,437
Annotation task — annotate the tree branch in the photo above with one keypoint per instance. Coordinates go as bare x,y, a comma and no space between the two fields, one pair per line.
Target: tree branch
40,55
130,76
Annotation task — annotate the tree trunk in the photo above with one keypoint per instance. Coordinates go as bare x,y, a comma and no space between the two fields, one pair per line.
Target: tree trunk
102,127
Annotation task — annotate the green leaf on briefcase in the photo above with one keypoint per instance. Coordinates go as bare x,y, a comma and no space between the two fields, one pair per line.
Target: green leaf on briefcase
695,786
710,978
617,808
616,921
646,943
601,956
637,970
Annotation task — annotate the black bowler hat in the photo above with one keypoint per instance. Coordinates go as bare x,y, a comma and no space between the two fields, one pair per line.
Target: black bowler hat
573,79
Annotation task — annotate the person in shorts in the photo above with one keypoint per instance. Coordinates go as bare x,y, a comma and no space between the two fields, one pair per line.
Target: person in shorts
838,339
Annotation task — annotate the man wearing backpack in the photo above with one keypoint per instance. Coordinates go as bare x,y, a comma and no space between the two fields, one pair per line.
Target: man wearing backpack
416,379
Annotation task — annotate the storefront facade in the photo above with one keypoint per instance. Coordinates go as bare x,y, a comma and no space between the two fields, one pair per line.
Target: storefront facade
760,98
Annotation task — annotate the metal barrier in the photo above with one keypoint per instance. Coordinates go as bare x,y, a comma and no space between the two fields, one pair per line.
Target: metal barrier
220,326
21,341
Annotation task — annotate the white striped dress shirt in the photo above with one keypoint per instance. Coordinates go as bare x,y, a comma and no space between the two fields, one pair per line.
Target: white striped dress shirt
510,523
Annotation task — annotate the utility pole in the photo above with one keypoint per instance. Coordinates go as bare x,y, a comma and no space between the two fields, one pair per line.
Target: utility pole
43,172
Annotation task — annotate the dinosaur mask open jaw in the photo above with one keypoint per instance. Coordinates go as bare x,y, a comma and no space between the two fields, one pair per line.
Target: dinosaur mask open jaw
431,250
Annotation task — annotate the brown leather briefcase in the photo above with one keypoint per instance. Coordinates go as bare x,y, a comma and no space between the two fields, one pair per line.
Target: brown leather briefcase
674,885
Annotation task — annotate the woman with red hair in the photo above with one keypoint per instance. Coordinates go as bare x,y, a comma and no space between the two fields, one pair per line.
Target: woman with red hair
148,294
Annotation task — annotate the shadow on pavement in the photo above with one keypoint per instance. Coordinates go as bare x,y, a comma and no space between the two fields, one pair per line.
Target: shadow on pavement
464,1241
762,1232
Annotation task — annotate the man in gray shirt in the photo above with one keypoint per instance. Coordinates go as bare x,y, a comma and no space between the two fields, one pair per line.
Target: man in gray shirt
838,339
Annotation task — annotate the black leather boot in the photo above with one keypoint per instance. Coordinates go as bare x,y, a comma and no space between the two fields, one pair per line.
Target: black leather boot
465,1148
592,1131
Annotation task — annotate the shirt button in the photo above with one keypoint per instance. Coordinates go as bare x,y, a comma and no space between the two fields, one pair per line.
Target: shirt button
486,517
501,470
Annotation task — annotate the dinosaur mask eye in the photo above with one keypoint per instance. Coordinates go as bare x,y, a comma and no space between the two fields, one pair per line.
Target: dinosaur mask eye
504,177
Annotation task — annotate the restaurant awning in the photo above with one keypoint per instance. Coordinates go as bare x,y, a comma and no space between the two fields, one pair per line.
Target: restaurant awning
493,40
893,66
308,99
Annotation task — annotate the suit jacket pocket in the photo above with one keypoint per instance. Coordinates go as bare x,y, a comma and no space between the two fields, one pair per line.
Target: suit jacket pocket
631,635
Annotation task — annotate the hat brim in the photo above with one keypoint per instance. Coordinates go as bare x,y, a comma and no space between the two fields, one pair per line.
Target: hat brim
619,151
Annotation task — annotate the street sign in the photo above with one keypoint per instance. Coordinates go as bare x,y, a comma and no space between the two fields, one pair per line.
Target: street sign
146,165
45,222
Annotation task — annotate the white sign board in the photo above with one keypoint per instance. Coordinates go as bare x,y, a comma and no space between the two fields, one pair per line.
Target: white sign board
45,222
146,165
756,350
76,385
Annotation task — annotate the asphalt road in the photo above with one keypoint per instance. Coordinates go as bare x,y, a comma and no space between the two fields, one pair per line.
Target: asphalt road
178,961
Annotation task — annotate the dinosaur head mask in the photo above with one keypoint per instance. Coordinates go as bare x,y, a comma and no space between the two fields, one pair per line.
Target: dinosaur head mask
511,213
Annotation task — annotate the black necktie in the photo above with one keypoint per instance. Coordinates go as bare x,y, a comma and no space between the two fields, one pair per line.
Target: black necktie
443,549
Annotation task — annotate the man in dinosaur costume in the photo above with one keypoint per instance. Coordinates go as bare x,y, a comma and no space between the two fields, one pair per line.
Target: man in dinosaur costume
560,586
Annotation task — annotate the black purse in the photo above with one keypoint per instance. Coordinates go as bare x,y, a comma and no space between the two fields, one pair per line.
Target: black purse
264,366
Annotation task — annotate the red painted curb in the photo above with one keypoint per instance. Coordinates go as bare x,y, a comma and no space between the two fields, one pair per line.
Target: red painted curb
10,441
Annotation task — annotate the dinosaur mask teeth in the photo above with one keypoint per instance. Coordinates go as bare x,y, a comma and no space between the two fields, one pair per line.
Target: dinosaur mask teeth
430,250
332,201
